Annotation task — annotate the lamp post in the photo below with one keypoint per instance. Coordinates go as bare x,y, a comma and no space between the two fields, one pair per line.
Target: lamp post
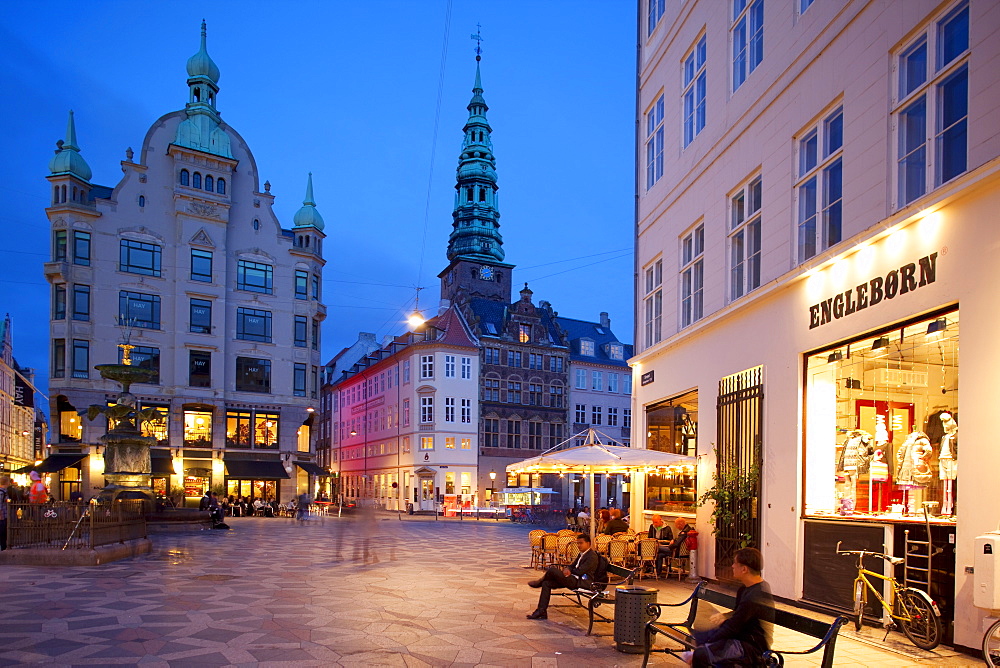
493,491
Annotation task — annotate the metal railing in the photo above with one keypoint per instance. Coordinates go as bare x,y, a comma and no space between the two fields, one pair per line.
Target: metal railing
61,526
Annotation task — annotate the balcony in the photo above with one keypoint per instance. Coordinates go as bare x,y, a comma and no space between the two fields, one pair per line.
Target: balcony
56,272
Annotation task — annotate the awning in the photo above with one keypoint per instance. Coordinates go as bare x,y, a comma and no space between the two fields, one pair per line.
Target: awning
313,469
162,466
252,469
55,463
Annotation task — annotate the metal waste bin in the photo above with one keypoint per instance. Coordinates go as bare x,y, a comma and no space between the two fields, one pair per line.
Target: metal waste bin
631,618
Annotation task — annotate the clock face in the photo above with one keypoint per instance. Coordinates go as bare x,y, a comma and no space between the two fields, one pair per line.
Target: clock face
486,273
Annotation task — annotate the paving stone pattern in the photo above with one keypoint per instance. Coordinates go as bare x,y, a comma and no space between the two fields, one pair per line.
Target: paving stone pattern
351,591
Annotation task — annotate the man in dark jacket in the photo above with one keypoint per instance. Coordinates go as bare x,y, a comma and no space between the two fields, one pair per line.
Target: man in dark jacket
740,637
570,577
617,524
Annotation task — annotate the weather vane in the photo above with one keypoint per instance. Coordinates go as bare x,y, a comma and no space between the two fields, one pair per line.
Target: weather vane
479,41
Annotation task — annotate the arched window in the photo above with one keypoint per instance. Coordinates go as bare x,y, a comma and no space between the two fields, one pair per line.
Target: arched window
256,224
63,194
185,177
307,242
482,194
220,186
211,99
209,185
142,200
197,95
83,195
73,197
196,181
468,194
55,194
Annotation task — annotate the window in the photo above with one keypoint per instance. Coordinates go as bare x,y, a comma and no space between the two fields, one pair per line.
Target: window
449,443
612,416
185,177
253,375
449,366
265,430
653,303
491,390
466,368
597,380
747,35
534,394
467,411
426,366
253,324
299,380
449,409
931,115
654,143
595,415
804,5
535,435
197,428
612,382
315,334
406,371
819,187
209,183
139,310
693,276
137,257
491,356
491,432
200,369
555,364
616,351
58,358
513,392
581,379
81,358
656,8
555,396
426,410
201,265
81,302
145,358
254,276
426,442
627,378
196,181
301,284
514,358
513,433
744,240
406,412
466,444
693,95
81,248
534,361
220,186
581,414
524,333
201,316
59,245
315,286
627,418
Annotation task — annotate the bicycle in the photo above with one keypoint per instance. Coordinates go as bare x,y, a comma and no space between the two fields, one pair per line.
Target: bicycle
914,610
991,646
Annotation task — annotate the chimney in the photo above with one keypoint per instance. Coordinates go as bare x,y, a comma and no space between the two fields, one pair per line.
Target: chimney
605,320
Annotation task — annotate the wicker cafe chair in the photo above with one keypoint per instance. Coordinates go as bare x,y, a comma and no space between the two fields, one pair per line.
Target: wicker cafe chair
618,552
550,548
535,541
647,549
602,544
567,532
564,542
571,553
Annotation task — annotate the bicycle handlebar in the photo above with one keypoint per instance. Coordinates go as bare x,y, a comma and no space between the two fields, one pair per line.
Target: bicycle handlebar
895,561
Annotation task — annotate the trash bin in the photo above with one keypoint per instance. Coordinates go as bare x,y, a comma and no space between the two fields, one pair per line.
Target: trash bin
631,618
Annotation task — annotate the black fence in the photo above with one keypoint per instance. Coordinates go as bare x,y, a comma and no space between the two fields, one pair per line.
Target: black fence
61,526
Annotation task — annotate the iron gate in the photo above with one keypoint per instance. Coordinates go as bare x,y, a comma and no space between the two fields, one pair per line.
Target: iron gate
739,464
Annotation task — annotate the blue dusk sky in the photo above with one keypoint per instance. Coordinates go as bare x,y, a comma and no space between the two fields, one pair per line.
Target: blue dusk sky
348,91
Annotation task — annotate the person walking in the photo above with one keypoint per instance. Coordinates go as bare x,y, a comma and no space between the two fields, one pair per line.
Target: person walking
4,501
37,493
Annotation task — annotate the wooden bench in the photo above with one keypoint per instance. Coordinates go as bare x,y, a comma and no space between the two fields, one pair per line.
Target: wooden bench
591,598
682,632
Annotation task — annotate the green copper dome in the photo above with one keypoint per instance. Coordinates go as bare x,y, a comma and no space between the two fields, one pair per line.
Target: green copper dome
201,64
308,216
68,160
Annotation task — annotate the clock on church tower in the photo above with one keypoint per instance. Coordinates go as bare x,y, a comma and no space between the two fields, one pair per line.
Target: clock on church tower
486,273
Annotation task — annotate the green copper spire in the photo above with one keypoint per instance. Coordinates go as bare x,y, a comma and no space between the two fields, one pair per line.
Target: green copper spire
476,227
308,216
200,130
67,159
201,64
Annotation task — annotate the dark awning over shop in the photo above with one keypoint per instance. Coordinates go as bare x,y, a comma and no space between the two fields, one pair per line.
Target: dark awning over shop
162,466
312,469
250,469
55,463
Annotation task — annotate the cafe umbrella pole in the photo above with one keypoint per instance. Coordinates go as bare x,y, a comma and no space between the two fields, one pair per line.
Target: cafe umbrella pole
593,514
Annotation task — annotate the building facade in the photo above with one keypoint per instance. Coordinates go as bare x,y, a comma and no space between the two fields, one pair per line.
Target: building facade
403,420
22,427
186,259
817,185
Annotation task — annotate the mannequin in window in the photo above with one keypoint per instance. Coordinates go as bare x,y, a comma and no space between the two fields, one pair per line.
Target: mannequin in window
855,457
948,462
913,470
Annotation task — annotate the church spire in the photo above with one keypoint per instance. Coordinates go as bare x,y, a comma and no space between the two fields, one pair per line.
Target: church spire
476,227
67,159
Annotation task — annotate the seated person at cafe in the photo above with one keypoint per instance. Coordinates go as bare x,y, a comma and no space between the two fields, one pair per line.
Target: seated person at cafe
676,546
571,577
617,524
741,636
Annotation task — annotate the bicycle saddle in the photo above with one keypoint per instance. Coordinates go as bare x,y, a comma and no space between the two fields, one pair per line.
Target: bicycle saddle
895,561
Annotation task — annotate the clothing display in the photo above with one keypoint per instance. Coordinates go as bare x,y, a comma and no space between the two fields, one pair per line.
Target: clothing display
913,461
857,452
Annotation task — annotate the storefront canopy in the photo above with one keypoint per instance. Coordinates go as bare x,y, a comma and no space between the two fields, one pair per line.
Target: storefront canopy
312,469
598,458
251,469
54,463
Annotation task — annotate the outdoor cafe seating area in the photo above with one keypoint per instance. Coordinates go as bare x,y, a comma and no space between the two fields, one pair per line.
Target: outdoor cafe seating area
626,549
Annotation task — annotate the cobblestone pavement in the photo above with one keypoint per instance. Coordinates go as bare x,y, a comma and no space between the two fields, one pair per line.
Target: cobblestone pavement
349,591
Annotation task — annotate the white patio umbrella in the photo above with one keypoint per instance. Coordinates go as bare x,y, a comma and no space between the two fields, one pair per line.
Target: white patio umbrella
595,457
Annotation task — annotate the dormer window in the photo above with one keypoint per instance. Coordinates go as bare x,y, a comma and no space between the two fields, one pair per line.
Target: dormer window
587,347
616,351
524,333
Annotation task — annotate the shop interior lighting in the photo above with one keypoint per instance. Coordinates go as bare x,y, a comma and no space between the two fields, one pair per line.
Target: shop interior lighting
880,342
852,384
936,328
835,356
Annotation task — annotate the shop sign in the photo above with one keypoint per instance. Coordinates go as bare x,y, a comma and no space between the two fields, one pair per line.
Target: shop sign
23,394
897,282
646,378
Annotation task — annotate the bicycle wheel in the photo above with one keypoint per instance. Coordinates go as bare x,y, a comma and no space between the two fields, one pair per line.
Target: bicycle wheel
991,646
919,620
859,604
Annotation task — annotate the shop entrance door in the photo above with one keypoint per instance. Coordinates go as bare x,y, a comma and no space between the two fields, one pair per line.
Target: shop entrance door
740,461
426,493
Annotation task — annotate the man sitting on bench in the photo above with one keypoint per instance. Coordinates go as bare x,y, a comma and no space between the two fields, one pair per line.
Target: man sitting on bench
745,633
570,577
